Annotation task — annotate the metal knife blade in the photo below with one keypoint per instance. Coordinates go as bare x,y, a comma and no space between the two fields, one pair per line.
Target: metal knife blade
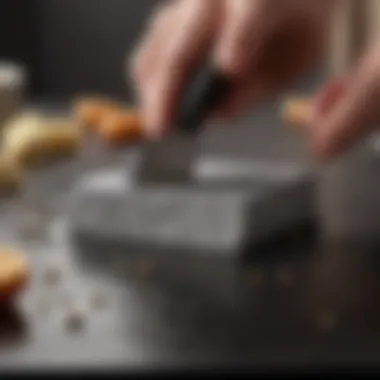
167,160
171,158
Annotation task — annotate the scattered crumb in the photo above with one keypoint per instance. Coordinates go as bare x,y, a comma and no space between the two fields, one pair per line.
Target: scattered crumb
99,301
74,321
327,321
52,276
91,110
122,126
11,176
14,273
295,111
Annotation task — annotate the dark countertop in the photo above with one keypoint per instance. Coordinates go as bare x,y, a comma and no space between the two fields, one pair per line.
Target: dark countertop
301,303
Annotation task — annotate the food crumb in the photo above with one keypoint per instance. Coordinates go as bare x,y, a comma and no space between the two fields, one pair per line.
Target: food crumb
14,273
74,321
99,301
295,111
52,276
122,126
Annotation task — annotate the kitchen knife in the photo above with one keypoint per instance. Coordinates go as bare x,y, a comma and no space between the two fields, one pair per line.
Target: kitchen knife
170,159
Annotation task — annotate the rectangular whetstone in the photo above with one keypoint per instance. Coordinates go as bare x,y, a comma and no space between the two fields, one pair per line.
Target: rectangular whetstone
200,220
204,218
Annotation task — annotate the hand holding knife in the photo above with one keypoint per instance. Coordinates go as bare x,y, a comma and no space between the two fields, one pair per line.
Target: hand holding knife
170,159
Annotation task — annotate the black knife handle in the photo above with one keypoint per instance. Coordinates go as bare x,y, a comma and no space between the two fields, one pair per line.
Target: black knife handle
207,89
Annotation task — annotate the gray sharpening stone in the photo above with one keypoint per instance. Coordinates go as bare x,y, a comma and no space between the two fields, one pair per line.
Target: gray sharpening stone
215,215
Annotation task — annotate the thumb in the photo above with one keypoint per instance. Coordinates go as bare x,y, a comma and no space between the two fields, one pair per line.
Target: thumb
327,97
354,113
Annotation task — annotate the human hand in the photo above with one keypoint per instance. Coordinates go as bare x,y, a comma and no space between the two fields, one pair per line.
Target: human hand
347,109
261,46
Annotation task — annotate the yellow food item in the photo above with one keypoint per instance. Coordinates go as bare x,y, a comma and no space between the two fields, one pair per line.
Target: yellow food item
20,128
296,111
24,121
14,274
90,112
35,140
11,176
122,126
59,136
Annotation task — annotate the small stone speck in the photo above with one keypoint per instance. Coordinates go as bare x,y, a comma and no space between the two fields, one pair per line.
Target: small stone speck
99,301
74,321
52,276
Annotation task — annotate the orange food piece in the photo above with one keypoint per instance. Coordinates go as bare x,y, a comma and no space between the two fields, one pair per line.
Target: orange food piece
90,112
14,274
122,126
296,111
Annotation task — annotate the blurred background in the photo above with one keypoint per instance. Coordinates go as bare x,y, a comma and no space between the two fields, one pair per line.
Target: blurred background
315,308
72,46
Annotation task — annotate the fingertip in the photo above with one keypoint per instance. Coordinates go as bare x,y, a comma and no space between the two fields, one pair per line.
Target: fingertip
153,124
229,61
156,120
321,150
331,138
328,97
152,134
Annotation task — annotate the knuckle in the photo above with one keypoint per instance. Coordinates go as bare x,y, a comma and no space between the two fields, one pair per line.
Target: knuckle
162,15
233,57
